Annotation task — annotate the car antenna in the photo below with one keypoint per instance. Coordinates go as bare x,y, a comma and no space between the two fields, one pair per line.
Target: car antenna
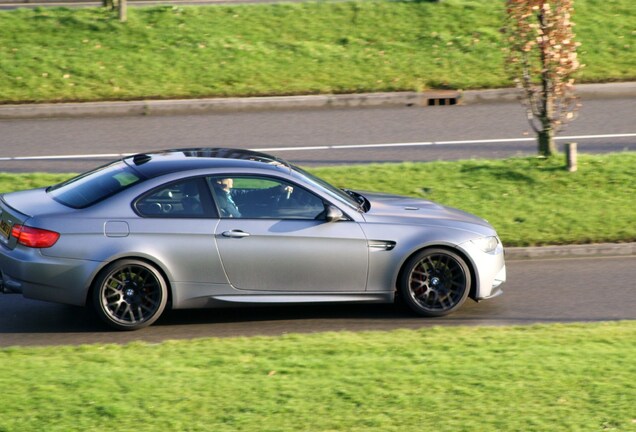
140,159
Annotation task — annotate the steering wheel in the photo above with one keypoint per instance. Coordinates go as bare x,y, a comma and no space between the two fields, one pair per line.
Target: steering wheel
285,191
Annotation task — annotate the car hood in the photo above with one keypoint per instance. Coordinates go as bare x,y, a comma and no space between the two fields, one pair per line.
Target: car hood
400,209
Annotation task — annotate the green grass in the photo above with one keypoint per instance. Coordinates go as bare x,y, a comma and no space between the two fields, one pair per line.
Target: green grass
530,201
576,377
273,49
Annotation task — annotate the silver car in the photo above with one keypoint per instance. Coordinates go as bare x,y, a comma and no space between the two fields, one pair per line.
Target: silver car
197,228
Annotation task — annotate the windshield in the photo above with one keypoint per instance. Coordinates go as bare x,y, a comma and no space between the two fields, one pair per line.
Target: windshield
94,186
333,191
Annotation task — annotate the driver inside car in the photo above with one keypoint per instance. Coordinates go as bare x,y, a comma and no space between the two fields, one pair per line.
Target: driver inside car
227,195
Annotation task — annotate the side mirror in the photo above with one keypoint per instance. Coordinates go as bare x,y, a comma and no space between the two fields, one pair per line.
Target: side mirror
333,214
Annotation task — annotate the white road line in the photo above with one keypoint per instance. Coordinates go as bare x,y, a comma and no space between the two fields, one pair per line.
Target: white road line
336,147
80,156
434,143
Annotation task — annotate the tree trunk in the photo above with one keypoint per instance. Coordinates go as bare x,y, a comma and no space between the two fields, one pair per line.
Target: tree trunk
547,146
123,10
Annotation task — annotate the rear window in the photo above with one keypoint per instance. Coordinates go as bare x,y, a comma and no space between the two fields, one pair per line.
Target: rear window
94,186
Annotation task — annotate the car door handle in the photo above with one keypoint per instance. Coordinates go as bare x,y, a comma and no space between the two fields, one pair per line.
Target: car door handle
235,234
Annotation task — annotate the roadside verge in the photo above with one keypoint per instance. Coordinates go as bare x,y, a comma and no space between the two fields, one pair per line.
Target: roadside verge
363,100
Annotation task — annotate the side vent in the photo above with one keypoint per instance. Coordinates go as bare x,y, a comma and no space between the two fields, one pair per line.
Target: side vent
385,245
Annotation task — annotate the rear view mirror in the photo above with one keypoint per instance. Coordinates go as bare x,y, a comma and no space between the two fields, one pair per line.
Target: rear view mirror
334,214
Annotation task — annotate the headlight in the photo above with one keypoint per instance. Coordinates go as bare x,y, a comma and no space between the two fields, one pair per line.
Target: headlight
487,244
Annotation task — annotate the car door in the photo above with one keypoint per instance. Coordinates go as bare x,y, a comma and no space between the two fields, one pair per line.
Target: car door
283,242
176,226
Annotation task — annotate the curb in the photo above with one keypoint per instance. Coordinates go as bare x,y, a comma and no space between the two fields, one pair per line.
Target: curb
362,100
210,105
584,91
571,251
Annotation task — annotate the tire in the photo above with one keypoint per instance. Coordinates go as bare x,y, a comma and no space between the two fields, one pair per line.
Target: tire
129,295
435,282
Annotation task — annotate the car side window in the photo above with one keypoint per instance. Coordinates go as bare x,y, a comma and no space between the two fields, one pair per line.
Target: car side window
183,199
253,197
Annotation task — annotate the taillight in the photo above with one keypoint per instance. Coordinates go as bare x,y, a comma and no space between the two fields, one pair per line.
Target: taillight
34,237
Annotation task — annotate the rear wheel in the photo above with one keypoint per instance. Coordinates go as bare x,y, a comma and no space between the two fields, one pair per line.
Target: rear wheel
129,295
435,282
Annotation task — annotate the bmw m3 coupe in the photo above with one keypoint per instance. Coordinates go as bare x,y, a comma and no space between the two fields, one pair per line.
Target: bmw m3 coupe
209,227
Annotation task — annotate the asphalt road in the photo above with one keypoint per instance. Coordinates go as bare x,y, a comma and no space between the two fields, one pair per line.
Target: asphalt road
590,289
446,132
537,291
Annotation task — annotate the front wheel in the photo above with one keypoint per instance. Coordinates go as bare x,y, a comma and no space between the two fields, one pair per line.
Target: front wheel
435,282
129,295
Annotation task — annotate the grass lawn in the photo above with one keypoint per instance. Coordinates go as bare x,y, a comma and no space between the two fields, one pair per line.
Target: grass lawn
57,54
576,377
530,201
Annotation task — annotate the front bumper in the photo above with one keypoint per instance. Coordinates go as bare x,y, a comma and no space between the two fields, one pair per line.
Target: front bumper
490,270
495,290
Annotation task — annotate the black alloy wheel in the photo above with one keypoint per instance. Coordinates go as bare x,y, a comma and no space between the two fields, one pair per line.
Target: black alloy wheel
129,295
435,282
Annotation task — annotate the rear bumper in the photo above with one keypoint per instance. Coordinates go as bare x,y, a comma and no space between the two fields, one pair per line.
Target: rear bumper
8,285
36,276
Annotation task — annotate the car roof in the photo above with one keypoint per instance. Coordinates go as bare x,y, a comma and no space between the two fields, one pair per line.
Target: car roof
158,163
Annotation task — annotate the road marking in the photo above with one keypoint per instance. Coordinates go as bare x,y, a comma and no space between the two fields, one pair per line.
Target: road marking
335,147
434,143
80,156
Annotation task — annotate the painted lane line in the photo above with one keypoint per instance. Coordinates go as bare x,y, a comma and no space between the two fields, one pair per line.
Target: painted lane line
336,147
85,156
434,143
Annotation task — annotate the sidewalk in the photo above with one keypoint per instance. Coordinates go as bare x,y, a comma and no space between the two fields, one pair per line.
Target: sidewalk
201,106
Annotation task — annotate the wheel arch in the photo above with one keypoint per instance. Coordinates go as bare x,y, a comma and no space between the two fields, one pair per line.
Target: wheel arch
142,258
469,262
